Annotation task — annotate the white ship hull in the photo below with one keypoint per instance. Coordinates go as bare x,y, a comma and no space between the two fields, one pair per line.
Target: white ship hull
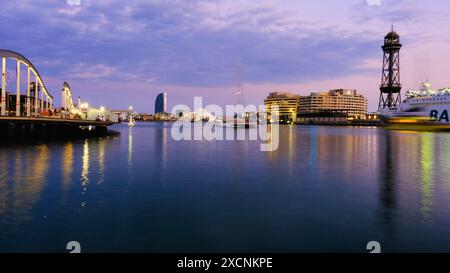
428,110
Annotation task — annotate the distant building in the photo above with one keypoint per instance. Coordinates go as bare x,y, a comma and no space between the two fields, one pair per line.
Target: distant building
338,101
92,113
163,117
146,117
199,115
161,104
287,104
122,114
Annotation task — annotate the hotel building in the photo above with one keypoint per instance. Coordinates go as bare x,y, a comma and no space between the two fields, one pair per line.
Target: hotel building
287,104
161,103
338,101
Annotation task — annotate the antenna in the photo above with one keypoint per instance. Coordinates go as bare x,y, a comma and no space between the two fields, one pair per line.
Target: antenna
239,93
238,78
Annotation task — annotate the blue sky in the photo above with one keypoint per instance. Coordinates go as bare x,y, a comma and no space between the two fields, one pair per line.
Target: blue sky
121,53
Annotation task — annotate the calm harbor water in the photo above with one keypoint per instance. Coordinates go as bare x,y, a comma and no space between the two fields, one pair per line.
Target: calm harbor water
325,189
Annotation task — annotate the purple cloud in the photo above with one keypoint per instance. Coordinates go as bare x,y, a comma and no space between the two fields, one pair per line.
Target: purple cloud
199,43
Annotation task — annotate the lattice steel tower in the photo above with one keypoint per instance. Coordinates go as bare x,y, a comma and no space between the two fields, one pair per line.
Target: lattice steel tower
390,82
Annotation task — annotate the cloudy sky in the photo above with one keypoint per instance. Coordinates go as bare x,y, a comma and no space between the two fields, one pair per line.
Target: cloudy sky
119,53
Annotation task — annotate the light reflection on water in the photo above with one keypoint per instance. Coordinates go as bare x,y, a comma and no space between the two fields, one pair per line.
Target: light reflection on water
324,189
130,153
427,183
67,164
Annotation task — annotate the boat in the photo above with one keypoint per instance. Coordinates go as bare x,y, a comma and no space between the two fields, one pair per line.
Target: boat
131,122
422,110
237,124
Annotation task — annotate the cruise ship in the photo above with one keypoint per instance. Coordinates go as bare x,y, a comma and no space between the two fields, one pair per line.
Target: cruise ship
422,110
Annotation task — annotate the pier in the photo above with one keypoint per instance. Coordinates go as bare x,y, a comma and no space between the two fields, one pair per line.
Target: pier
338,121
32,111
51,126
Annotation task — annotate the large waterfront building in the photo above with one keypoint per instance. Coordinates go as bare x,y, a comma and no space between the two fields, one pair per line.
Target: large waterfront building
161,104
287,104
341,101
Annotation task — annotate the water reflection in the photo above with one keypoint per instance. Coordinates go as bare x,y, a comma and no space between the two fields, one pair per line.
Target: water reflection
85,171
67,165
4,165
386,184
292,150
273,142
34,175
85,165
164,156
161,146
130,153
444,160
21,190
427,184
387,172
313,149
101,160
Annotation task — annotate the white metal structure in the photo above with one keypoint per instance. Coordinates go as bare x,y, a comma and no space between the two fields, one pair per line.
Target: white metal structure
44,97
67,100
